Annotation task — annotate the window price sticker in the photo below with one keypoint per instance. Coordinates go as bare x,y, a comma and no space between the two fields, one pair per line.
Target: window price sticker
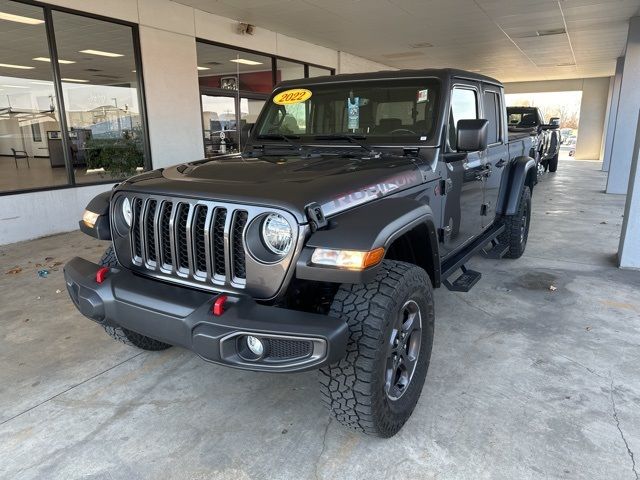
290,97
423,95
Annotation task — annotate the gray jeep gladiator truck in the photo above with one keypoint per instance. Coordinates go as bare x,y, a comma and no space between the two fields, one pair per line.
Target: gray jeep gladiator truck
546,136
318,246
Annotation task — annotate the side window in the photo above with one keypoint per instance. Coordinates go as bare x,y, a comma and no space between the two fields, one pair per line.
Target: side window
492,114
464,106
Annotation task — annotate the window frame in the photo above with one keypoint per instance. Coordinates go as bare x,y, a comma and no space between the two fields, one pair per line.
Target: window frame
499,120
47,11
461,86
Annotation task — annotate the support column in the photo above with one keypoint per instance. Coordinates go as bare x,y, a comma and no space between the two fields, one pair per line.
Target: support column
593,111
629,249
628,107
612,115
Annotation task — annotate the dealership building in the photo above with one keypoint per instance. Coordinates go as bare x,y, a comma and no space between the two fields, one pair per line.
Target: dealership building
374,230
92,91
158,81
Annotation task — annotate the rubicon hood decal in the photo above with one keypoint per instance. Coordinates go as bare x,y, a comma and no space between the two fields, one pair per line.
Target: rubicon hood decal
371,192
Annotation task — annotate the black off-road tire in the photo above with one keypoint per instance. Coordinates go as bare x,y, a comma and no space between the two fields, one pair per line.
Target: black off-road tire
123,335
553,163
516,227
354,388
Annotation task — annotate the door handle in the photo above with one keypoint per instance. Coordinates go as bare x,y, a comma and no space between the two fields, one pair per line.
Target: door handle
501,163
485,172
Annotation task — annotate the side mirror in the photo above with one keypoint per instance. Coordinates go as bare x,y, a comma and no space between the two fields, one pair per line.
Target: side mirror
472,135
554,121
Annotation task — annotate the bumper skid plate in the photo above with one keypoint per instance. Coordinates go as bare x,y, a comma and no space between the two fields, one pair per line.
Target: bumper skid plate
293,341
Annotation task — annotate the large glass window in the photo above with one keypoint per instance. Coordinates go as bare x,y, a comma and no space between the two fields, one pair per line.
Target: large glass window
234,85
28,110
286,70
233,70
100,97
219,120
319,72
96,72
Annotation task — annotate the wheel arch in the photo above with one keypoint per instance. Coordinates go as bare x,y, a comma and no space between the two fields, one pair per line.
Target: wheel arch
403,226
102,228
409,247
523,172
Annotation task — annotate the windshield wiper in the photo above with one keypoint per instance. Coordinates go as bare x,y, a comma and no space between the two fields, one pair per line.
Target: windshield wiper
278,136
344,136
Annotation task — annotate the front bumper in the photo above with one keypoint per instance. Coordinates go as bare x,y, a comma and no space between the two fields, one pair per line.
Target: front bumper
295,341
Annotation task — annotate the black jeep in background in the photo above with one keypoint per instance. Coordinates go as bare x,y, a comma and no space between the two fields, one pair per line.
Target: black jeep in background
318,246
547,136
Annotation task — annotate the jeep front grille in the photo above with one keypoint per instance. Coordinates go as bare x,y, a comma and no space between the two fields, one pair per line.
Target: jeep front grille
199,243
188,239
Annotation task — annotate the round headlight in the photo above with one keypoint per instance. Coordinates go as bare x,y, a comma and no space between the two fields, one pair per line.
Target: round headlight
126,211
277,234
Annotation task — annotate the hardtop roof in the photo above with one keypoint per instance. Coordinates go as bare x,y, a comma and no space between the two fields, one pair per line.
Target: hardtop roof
441,73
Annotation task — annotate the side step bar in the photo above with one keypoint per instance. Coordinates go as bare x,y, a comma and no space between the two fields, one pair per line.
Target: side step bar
496,252
469,278
464,282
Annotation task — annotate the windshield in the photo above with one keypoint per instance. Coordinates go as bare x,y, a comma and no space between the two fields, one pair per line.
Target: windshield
376,109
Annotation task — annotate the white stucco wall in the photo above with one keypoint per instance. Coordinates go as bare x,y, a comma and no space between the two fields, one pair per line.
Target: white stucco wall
32,215
348,63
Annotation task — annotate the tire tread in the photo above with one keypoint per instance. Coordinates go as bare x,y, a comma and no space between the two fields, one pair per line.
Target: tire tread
348,387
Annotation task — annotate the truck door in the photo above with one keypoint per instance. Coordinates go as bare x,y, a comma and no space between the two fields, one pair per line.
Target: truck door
461,214
497,154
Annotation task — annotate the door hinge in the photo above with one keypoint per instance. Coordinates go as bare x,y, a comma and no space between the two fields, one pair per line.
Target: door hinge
316,217
484,208
443,233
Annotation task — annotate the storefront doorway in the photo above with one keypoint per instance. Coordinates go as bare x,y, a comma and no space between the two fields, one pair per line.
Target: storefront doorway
226,119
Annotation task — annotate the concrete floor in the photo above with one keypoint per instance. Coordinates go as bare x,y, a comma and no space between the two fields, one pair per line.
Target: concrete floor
525,382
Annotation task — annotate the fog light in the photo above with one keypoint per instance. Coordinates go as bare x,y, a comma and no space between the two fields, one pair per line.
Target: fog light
255,345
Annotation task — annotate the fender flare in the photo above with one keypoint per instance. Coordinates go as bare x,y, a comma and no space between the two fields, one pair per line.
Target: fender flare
100,205
370,226
522,172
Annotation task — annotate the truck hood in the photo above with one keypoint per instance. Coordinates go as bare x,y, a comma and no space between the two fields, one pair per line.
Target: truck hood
335,182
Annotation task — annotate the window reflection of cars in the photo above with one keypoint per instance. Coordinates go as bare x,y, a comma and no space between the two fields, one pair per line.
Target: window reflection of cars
222,137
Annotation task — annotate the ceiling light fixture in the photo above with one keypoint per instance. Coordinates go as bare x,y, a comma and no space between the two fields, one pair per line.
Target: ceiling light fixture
42,83
47,59
421,45
21,67
20,19
14,86
101,53
551,31
77,80
244,61
204,68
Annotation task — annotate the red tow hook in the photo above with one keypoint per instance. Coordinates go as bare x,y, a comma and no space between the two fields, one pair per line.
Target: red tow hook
101,274
218,306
